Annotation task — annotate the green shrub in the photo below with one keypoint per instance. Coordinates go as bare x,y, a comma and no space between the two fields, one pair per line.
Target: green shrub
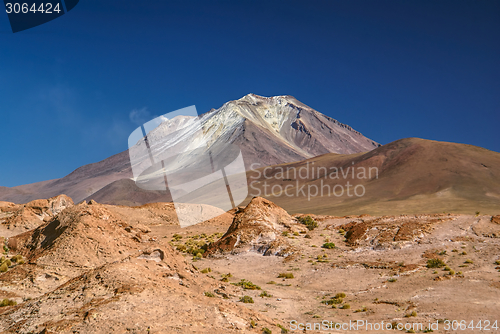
286,275
181,248
452,272
283,329
246,300
271,282
247,285
16,258
310,223
4,267
392,280
435,263
266,330
447,268
364,309
459,273
328,245
340,295
284,233
345,307
469,261
497,262
265,294
336,300
412,314
7,302
209,294
206,271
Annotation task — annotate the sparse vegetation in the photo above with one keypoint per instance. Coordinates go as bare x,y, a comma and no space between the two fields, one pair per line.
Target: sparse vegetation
412,314
469,261
209,294
246,300
337,299
328,245
322,258
265,294
247,285
206,271
271,282
364,309
283,329
266,330
310,223
345,307
392,280
4,267
16,258
286,275
435,263
328,302
7,302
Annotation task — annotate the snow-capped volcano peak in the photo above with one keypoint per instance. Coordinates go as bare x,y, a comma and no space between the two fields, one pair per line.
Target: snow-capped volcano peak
269,130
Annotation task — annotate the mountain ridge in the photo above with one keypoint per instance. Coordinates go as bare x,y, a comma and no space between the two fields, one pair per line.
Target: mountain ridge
269,130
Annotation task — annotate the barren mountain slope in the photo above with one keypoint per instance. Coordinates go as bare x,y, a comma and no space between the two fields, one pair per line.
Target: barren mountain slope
89,271
411,176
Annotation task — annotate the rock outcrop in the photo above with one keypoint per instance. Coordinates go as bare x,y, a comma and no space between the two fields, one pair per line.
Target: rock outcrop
19,217
258,227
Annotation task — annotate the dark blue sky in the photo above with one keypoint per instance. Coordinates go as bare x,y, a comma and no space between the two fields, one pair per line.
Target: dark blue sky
390,69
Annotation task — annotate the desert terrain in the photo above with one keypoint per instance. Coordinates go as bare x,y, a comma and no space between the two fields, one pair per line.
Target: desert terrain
95,268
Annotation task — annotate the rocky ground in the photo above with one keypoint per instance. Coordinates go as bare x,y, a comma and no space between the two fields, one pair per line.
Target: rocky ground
92,268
